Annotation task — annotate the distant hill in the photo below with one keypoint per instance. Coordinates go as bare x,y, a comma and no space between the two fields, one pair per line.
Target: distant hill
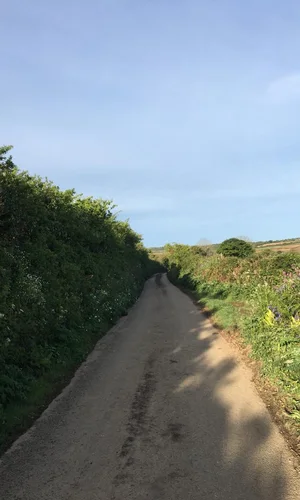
286,245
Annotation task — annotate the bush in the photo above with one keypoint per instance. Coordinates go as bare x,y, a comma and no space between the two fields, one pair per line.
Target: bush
68,270
259,295
234,247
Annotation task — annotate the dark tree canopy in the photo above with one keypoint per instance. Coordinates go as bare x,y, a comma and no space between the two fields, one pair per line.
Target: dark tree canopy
234,247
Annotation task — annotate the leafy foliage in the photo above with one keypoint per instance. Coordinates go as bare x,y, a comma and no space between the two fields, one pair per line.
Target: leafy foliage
68,270
259,295
234,247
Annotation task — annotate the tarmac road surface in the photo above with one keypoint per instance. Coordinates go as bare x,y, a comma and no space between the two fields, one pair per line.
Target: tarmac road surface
162,409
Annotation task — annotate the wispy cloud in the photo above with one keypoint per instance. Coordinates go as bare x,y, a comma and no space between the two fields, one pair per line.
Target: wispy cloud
250,192
185,128
286,88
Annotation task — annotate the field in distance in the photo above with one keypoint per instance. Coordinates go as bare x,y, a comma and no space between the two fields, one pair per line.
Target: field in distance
288,245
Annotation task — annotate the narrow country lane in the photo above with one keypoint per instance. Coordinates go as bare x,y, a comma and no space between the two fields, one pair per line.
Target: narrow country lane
162,409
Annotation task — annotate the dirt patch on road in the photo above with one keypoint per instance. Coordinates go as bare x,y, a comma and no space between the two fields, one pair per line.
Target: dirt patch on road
136,425
139,408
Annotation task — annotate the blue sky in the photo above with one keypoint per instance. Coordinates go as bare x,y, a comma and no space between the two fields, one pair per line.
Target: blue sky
185,113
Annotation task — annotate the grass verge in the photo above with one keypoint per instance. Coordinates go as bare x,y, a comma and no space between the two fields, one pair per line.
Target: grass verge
229,314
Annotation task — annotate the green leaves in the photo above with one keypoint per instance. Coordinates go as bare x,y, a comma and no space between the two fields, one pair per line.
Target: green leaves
6,164
260,295
233,247
269,318
68,269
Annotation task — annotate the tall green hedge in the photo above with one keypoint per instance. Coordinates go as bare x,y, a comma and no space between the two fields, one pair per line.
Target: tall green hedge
68,270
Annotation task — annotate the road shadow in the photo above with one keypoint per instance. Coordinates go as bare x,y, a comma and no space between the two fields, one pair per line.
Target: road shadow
194,428
232,449
207,435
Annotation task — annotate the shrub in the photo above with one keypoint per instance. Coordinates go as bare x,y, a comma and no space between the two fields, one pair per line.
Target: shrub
68,270
233,247
259,295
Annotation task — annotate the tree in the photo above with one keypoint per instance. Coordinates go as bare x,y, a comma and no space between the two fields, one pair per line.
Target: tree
234,247
6,163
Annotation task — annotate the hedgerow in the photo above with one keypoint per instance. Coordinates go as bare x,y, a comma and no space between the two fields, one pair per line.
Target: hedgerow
259,295
68,270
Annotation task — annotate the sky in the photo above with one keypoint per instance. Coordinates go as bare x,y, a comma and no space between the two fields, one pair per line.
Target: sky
186,113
